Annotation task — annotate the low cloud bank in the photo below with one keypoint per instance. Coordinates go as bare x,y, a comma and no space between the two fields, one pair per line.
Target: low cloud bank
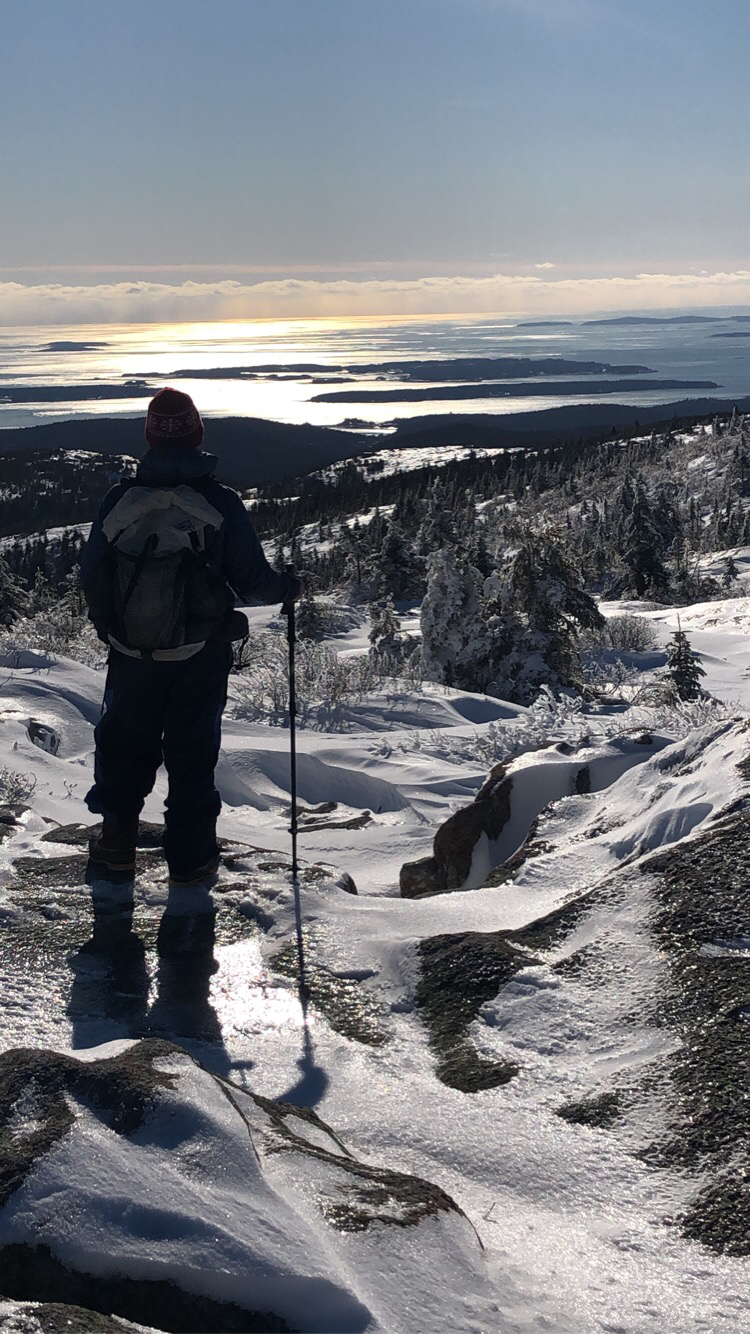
521,294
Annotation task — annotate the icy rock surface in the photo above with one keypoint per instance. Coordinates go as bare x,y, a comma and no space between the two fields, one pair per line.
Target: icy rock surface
565,1056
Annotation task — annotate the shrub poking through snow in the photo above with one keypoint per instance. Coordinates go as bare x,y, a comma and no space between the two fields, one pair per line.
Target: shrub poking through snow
682,717
629,634
326,681
15,788
56,624
683,666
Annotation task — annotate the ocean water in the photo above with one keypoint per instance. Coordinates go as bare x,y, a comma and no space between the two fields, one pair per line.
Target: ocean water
76,372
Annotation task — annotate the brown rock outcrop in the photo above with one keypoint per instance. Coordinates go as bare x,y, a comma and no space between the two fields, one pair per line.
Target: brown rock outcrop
454,842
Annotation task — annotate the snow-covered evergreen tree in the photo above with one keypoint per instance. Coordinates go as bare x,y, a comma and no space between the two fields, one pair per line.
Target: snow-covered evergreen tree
437,529
683,666
534,612
729,578
644,543
14,602
385,630
310,617
396,572
449,618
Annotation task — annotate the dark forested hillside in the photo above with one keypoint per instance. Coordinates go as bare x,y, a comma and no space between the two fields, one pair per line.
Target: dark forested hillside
635,514
250,451
508,554
253,452
54,488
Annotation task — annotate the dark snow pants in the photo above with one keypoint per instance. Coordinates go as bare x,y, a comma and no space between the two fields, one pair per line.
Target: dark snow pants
170,712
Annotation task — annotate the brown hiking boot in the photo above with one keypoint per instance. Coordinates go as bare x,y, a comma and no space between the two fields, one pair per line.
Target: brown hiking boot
114,848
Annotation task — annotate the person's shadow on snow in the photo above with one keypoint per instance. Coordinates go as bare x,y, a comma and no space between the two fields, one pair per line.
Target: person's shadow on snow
110,974
182,1011
112,982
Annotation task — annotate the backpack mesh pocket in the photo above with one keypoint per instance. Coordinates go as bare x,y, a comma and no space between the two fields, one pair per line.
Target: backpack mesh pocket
150,600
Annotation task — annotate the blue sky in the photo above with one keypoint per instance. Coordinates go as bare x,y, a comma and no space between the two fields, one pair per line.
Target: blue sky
298,149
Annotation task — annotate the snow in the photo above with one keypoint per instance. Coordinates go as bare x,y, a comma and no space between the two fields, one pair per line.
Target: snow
541,780
53,535
387,462
192,1235
572,1222
718,633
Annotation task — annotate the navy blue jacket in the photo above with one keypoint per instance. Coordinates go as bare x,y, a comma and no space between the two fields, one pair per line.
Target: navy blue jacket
234,553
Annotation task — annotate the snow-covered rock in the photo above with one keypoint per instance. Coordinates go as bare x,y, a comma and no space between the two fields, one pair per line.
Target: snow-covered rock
489,833
56,1317
136,1182
540,1053
455,842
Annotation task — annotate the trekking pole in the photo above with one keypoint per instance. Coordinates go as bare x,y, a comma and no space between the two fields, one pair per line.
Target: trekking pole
288,611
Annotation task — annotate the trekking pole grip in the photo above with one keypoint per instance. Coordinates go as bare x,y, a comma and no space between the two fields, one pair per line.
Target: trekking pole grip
287,608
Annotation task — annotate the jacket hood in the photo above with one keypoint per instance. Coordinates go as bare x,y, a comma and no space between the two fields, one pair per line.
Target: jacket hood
170,465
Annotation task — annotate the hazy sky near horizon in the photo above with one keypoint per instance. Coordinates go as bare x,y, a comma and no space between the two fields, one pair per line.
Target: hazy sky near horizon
262,157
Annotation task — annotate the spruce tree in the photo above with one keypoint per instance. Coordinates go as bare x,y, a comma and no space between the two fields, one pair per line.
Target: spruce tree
683,666
449,619
534,610
437,529
731,572
385,629
643,547
14,602
310,620
397,573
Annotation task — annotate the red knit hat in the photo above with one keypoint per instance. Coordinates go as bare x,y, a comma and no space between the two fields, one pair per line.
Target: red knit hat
173,419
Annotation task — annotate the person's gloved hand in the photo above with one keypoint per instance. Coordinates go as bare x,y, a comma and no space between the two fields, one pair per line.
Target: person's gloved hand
101,631
297,590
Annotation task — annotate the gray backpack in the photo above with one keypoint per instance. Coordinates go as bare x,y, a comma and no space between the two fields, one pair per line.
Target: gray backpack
163,595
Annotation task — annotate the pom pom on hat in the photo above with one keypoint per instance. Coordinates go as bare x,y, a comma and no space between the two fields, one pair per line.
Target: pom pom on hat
173,419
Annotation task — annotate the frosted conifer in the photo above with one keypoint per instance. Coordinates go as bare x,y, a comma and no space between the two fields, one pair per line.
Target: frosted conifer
683,666
449,617
311,621
438,529
14,602
385,629
397,572
731,571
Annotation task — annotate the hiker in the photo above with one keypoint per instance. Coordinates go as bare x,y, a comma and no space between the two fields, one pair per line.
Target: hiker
167,554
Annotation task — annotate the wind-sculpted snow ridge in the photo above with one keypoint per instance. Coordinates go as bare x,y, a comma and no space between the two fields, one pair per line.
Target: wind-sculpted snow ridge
489,835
